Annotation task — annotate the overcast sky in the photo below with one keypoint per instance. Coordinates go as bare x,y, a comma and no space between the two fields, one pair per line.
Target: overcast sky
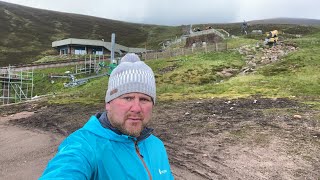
178,12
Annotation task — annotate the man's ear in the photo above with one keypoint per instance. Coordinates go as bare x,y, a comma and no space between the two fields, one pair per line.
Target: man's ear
108,106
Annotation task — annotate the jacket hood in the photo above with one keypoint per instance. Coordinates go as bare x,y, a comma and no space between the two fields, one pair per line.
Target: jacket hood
100,125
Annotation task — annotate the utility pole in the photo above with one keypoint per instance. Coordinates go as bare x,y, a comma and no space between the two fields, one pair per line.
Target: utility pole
113,39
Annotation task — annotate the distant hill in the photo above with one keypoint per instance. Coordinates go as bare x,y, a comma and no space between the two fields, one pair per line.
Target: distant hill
26,33
293,21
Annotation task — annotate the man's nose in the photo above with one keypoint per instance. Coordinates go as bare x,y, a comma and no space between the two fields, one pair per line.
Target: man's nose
136,106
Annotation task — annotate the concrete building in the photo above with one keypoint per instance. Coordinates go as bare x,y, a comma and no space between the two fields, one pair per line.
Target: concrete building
88,46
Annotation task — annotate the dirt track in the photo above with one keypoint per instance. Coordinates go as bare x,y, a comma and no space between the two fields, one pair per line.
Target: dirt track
206,139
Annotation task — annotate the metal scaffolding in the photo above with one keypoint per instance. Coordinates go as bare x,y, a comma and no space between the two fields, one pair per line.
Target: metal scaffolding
15,86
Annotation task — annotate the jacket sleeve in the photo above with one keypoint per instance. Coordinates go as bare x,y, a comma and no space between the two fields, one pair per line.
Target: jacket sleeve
74,160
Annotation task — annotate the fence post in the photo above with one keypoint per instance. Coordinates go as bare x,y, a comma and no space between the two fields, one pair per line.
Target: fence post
216,46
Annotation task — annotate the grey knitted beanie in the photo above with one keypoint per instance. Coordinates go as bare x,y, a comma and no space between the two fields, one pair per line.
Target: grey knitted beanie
131,75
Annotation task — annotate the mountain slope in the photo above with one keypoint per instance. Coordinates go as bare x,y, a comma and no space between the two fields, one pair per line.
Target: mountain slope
296,21
26,32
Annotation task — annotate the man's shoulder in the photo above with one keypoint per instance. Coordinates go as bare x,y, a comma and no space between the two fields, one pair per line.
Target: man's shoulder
84,140
92,129
154,140
87,135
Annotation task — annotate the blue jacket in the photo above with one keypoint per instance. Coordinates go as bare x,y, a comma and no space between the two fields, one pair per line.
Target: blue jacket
96,152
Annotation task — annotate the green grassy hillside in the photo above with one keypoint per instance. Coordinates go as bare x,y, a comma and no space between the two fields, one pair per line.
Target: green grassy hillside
196,76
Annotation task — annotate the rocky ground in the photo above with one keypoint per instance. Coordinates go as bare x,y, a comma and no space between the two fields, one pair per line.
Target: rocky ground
252,138
256,56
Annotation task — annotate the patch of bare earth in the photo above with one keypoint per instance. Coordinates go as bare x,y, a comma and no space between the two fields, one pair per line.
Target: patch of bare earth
241,139
24,152
208,139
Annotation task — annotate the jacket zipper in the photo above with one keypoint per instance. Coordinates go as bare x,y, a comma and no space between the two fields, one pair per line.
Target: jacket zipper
141,158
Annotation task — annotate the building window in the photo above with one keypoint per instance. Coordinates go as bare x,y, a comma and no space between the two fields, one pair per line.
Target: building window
80,51
97,51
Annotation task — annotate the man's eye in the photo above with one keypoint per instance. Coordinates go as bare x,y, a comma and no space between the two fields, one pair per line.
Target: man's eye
128,98
145,100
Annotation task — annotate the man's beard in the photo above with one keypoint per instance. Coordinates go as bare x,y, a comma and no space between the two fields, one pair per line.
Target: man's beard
121,126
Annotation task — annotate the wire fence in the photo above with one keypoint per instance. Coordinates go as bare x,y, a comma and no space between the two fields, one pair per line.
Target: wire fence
185,51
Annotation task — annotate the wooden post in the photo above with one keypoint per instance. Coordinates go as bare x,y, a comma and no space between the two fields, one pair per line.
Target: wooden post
146,50
89,66
85,63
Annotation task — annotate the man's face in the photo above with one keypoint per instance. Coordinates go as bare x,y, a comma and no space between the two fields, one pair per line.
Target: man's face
130,113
